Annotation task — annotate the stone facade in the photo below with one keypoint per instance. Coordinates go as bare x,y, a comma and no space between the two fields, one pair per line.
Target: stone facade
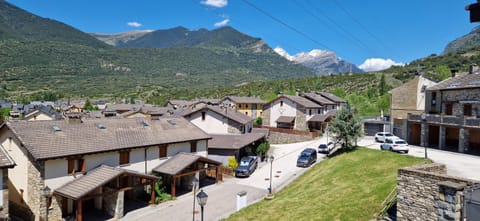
284,138
34,208
426,192
234,127
301,120
266,116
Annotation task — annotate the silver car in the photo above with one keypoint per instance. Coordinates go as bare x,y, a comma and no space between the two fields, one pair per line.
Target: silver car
396,145
381,136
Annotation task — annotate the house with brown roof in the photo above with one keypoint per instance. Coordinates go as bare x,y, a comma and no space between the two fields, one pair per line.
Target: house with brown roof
151,112
219,120
290,112
452,116
326,103
250,106
93,164
195,103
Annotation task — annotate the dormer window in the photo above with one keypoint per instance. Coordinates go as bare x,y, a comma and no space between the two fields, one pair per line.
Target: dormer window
281,103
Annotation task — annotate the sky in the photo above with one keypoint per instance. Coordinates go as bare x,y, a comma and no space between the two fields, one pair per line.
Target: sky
372,34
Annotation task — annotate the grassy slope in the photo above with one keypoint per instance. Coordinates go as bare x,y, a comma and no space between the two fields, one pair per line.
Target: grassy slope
350,186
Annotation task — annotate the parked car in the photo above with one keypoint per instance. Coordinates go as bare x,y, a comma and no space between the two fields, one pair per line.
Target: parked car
326,148
307,157
246,166
381,136
396,145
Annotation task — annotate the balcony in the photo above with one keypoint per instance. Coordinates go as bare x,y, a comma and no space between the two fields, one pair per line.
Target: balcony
447,119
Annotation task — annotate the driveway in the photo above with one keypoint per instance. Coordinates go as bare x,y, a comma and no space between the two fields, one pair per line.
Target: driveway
222,197
460,165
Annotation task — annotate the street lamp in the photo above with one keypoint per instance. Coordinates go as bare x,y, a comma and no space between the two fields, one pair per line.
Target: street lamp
202,200
271,165
194,184
424,120
46,193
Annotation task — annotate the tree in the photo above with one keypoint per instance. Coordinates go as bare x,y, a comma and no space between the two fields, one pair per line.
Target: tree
88,105
382,87
346,127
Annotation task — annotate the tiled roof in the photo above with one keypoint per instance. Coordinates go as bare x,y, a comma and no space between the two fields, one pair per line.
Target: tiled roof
246,100
43,142
302,101
322,117
224,111
5,160
285,119
224,141
459,82
332,97
95,178
147,111
179,162
318,99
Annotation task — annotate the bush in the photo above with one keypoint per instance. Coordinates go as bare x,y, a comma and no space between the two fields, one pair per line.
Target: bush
263,148
258,121
232,163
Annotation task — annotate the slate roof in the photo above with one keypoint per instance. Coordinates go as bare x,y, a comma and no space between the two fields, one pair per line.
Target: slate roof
5,160
285,119
146,110
304,102
245,100
459,82
43,142
332,97
179,162
322,117
235,142
318,99
80,187
48,110
223,111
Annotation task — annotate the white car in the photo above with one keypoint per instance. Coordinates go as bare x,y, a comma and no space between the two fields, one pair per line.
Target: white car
396,145
382,136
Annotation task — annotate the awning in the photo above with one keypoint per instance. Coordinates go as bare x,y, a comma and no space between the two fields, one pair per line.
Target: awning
224,141
322,117
285,120
93,179
179,162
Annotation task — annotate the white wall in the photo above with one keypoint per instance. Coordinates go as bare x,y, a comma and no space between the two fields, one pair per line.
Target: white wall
288,109
40,116
17,175
213,123
421,96
1,189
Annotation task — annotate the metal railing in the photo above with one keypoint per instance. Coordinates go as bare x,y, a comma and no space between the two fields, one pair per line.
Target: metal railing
447,119
388,203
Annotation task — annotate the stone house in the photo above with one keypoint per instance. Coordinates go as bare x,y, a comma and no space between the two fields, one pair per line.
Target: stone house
218,120
290,112
42,112
250,106
92,164
405,99
151,112
452,116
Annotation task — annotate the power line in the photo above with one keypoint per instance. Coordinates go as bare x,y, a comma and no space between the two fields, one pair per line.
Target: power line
286,25
339,27
360,24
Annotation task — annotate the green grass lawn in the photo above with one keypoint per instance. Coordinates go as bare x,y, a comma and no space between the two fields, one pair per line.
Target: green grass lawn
349,186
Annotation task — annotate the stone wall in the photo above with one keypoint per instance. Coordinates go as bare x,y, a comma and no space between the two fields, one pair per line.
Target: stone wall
284,138
426,193
266,116
234,127
301,120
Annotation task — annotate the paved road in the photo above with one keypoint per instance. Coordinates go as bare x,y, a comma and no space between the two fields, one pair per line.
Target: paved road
460,165
222,197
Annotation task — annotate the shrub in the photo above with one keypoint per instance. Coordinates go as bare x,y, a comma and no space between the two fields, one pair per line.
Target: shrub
232,163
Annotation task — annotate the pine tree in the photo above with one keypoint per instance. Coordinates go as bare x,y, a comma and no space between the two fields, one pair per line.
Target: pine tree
346,127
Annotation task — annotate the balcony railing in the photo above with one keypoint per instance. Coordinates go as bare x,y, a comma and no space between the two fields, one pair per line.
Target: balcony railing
446,119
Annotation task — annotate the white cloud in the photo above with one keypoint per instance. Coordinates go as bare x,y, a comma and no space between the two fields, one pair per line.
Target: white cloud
215,3
378,64
134,24
283,53
222,23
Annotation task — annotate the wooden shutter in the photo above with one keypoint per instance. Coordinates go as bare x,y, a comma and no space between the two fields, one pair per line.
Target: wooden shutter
71,166
124,157
82,165
163,151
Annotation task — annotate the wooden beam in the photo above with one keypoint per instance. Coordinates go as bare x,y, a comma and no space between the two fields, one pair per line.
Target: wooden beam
152,201
173,187
79,210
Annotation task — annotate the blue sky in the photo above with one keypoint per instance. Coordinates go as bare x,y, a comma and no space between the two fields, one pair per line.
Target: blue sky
356,30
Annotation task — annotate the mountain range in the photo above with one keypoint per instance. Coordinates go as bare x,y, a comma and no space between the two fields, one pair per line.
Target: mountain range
465,43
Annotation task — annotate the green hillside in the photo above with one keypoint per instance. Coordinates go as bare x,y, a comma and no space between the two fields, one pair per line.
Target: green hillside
16,23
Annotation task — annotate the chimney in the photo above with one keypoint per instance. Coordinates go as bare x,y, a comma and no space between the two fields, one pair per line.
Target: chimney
297,92
471,69
454,72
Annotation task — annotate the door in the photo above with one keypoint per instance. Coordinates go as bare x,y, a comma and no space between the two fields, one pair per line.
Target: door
472,203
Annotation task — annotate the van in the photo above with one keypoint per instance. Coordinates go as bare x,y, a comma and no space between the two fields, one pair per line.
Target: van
307,157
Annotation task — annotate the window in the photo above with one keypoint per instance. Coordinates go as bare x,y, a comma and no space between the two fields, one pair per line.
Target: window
124,157
246,113
203,115
310,112
239,105
467,109
193,146
281,103
163,151
319,111
76,165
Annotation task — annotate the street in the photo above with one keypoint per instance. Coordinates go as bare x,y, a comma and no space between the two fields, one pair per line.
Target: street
222,197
